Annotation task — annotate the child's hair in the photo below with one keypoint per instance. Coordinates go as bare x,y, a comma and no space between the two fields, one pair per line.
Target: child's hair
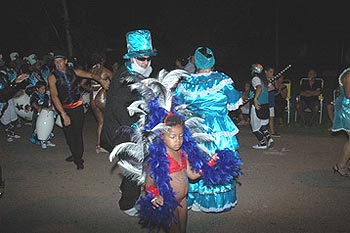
172,119
40,84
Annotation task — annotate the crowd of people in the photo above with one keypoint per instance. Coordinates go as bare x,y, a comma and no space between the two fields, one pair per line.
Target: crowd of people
122,104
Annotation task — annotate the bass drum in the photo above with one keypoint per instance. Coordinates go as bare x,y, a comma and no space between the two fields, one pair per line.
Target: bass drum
45,123
86,100
21,101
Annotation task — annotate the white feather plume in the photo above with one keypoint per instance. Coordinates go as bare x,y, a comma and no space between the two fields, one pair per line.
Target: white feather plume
132,149
203,137
132,172
170,79
137,106
204,149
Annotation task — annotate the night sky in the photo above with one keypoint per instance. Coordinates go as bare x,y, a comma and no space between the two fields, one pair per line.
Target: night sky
239,32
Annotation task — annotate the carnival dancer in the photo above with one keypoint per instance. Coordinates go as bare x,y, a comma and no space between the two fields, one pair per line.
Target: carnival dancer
164,147
64,83
119,97
341,121
98,94
260,113
211,95
178,174
38,101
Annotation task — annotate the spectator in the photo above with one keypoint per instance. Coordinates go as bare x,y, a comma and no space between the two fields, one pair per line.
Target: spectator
243,111
190,67
309,93
280,100
269,74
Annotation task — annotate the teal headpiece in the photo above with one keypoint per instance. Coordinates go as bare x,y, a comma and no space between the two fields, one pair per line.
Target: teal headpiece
139,44
204,58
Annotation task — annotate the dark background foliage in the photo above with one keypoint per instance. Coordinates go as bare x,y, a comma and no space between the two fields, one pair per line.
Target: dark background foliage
302,33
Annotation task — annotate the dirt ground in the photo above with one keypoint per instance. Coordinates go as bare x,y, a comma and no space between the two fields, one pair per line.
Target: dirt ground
288,188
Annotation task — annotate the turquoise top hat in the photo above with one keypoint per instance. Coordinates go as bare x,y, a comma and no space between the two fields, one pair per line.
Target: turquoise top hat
139,44
204,58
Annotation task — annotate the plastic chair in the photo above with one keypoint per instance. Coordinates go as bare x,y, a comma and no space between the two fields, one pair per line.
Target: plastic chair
320,98
288,84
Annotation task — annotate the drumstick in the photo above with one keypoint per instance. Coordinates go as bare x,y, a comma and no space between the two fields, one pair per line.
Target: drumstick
271,80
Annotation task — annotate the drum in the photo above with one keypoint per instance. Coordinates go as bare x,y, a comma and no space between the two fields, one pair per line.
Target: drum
86,100
45,123
21,101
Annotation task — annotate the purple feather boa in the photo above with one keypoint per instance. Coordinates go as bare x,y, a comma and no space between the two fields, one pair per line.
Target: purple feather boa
225,171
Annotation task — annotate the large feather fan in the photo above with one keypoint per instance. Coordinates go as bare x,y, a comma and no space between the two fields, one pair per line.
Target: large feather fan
153,91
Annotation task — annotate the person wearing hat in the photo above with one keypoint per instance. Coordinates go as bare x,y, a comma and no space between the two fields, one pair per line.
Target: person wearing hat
211,94
119,97
64,82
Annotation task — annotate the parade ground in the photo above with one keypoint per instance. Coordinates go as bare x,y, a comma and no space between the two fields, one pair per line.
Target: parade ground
290,188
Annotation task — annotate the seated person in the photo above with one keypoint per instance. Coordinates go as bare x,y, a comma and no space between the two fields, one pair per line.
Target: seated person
243,111
280,100
309,92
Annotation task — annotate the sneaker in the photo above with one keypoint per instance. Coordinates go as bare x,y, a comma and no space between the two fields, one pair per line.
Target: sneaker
9,139
48,143
131,212
43,146
15,136
101,150
270,143
276,135
259,147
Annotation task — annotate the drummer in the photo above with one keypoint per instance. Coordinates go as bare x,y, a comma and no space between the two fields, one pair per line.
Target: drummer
38,101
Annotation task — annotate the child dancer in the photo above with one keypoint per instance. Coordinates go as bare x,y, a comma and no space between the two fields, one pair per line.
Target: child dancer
179,170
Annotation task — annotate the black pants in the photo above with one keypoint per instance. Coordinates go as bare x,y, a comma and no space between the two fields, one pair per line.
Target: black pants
74,133
130,193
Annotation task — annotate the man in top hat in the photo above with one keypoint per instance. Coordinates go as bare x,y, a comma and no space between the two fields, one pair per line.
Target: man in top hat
119,97
64,83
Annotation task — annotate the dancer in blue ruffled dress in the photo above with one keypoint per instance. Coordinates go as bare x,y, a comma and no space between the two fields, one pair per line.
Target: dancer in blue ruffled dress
211,95
341,121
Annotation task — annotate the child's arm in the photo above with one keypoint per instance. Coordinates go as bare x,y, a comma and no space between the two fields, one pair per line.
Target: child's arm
37,107
157,200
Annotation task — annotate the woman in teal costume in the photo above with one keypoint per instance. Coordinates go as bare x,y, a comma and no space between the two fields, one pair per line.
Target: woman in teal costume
341,121
211,94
